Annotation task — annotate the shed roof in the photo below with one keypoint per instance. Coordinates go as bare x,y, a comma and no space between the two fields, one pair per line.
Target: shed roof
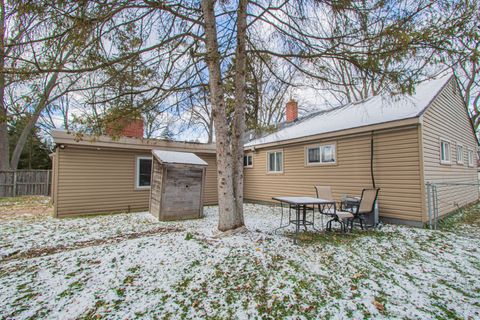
376,110
178,157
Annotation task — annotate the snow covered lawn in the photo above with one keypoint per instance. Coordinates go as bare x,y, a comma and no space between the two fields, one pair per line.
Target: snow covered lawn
129,266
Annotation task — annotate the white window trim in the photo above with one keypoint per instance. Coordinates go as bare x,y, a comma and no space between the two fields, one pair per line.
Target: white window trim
463,154
308,163
470,163
137,172
246,155
447,162
268,161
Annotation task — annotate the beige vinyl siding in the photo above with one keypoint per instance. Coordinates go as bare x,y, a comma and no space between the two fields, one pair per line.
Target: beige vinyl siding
447,119
98,181
210,188
54,179
396,170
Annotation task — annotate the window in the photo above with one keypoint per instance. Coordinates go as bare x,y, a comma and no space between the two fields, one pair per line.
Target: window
143,172
445,153
471,159
459,154
323,154
275,161
248,160
314,155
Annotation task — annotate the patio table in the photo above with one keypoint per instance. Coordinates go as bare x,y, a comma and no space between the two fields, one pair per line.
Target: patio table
300,204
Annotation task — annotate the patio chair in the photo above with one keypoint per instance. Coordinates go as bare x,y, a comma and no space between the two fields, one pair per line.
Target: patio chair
365,207
325,192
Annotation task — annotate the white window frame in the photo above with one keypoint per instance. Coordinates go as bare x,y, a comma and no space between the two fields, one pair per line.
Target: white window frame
470,157
321,146
137,172
268,161
460,160
247,155
449,154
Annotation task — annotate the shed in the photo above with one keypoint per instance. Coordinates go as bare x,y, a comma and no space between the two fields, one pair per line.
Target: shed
177,184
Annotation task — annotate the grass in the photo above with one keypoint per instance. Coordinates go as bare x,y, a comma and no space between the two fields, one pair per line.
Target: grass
24,200
395,272
469,215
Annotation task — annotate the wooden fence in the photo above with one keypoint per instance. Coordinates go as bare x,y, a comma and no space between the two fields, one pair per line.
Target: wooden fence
25,183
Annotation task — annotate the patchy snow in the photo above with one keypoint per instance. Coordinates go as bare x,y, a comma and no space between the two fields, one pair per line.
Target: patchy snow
178,157
396,272
375,110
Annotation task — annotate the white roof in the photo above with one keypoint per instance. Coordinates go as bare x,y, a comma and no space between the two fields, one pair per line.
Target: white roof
178,157
375,110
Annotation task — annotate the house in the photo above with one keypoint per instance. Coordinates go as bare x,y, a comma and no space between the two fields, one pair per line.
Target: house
102,175
396,143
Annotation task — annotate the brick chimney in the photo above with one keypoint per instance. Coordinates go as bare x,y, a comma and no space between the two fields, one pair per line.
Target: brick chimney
291,110
126,128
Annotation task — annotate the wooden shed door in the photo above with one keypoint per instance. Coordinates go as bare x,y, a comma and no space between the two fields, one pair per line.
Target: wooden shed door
183,192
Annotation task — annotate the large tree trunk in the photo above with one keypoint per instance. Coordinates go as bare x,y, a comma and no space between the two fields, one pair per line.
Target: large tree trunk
44,99
238,136
228,218
4,149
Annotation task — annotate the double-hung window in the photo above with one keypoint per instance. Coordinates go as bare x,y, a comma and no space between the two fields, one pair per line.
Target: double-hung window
248,160
459,154
275,161
143,172
321,154
471,158
445,153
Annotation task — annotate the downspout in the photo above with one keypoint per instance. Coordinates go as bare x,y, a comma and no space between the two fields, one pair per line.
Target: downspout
371,160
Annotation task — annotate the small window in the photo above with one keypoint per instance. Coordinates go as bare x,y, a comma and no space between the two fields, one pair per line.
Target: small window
275,161
445,152
314,155
471,158
143,172
248,160
323,154
459,154
328,154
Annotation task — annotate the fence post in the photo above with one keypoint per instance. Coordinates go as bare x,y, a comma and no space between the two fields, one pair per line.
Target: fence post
14,191
429,201
47,181
436,205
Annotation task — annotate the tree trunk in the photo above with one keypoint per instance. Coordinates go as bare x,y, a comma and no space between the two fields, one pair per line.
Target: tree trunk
4,148
210,130
229,215
238,136
228,219
52,82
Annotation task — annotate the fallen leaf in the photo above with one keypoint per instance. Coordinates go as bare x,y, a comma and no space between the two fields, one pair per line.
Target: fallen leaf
379,306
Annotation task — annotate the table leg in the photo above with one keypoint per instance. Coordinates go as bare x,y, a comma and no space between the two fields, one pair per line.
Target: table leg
281,220
297,224
305,217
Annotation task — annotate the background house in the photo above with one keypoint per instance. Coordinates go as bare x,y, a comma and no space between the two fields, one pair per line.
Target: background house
99,175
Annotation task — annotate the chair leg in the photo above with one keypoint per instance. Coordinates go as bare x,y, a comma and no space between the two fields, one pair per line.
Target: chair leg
361,223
